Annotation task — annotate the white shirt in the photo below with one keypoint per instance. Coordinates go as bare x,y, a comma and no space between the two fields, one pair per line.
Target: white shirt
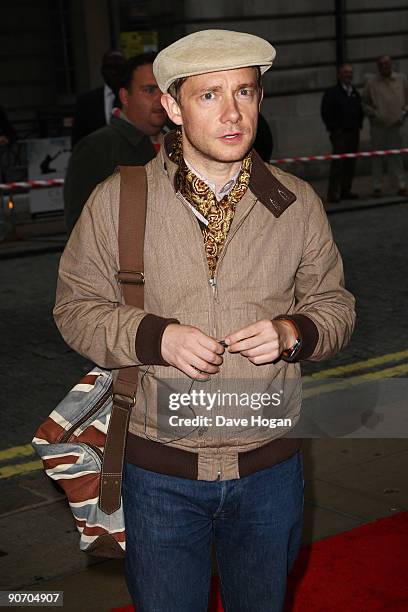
109,98
222,191
347,88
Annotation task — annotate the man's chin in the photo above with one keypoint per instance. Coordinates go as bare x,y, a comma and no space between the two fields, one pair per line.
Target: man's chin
232,154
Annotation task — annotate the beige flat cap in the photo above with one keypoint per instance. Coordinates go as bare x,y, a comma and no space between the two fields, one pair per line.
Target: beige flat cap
211,51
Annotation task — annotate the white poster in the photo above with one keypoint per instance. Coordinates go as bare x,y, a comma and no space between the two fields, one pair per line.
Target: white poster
47,159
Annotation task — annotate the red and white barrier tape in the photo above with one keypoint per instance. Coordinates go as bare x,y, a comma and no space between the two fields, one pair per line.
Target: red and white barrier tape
284,160
290,160
31,184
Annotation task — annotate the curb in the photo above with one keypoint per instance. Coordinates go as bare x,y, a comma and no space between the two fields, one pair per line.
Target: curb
333,209
31,250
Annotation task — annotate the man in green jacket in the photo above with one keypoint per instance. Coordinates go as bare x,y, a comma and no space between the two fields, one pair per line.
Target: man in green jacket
132,137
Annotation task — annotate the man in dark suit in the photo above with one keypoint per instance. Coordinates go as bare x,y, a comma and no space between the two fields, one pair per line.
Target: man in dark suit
7,133
264,140
7,139
93,109
342,113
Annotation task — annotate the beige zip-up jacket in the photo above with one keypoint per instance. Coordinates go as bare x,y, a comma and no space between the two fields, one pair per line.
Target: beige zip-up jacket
279,258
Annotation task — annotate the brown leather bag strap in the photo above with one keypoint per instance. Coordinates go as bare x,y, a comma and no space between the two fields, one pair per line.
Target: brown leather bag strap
132,222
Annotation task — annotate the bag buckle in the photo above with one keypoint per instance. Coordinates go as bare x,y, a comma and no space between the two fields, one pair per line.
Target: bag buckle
123,401
130,277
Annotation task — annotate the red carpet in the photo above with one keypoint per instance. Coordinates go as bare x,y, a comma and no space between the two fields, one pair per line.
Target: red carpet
362,569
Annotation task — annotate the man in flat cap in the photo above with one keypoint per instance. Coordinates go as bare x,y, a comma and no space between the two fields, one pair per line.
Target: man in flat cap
242,281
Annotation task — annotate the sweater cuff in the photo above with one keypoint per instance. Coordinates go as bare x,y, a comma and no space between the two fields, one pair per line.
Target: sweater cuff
149,337
308,335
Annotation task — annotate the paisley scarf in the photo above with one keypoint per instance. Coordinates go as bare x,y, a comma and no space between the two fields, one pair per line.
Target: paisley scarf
218,214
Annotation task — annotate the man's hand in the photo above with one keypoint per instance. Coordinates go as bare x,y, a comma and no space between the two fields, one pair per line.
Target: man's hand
191,351
3,140
263,341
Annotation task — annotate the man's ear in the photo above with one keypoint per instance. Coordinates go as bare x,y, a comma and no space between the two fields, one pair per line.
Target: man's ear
172,108
123,96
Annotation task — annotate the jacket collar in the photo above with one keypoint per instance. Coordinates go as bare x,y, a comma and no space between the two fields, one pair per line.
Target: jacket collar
127,130
340,86
391,77
263,184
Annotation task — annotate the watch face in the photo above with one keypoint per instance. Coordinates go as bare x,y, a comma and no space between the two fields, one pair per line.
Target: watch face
290,352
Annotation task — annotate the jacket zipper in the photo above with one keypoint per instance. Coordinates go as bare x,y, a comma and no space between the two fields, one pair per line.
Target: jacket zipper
213,281
67,435
213,284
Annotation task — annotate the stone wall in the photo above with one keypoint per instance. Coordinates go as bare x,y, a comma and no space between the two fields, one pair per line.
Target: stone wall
304,33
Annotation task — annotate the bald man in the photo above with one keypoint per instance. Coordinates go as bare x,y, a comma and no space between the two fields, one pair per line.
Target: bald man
385,100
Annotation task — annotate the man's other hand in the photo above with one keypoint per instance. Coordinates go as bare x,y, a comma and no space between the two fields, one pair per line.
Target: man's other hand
191,351
263,341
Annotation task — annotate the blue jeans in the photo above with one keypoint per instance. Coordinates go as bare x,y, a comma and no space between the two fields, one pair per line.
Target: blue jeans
171,524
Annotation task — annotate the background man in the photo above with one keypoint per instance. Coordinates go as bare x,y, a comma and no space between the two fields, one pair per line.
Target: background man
234,250
342,114
385,101
93,109
130,139
7,133
7,139
263,143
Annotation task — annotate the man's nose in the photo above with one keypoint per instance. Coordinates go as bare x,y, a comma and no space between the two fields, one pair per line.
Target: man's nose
231,110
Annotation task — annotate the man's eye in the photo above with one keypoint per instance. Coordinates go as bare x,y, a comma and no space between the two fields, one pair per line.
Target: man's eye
150,89
245,92
209,95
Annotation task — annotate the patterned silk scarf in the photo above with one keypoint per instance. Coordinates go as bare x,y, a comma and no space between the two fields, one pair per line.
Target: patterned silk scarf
218,214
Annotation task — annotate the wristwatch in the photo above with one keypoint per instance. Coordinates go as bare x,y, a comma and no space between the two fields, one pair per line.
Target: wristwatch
291,352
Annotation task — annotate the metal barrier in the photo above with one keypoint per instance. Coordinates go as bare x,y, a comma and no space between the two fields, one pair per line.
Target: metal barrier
7,209
330,156
19,185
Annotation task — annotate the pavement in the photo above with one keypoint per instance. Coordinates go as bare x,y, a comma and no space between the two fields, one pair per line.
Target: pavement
348,482
33,236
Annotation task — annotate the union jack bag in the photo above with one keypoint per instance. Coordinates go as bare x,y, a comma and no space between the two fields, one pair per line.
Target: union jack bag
71,442
82,442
